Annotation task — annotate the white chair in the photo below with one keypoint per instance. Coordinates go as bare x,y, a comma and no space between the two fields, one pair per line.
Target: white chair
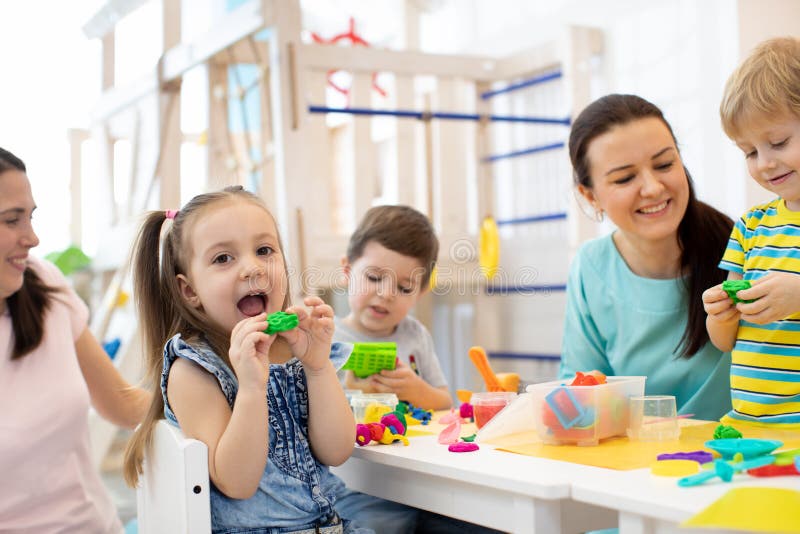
174,490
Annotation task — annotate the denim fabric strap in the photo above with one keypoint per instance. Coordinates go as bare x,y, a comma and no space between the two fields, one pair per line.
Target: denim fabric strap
333,529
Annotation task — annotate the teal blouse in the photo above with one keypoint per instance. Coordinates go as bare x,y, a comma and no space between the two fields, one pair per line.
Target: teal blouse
622,324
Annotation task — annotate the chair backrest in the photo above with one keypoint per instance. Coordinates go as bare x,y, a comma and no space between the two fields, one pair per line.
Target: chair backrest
174,490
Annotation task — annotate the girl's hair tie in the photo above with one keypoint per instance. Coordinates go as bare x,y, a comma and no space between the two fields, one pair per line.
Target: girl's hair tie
171,214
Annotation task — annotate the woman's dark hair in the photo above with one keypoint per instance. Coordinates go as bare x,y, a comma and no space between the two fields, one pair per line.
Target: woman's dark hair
703,232
29,305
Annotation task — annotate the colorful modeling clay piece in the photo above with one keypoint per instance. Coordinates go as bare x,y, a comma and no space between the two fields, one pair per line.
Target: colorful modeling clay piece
450,434
749,447
773,470
592,378
368,432
583,380
786,457
701,457
674,468
466,410
726,432
362,434
731,287
374,411
375,431
453,430
280,322
370,358
389,437
424,416
463,395
468,439
462,447
396,422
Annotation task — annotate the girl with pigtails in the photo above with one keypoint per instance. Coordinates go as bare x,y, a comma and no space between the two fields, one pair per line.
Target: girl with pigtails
269,407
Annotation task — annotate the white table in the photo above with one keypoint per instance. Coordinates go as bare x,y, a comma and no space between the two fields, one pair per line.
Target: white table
657,505
509,492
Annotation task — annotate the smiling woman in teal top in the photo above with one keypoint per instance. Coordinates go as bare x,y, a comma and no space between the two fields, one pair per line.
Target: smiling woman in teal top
634,297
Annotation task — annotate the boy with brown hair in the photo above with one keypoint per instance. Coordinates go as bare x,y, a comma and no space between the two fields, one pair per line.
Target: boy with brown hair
388,266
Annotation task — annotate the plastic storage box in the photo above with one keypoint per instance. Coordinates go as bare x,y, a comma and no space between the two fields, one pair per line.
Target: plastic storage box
361,403
583,415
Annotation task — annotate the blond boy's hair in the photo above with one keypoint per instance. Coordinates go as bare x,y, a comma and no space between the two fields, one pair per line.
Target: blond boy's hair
766,83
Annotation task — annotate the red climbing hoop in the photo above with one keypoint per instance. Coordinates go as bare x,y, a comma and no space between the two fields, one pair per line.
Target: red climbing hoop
355,40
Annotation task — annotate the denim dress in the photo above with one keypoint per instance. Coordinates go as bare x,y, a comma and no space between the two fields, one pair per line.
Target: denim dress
296,492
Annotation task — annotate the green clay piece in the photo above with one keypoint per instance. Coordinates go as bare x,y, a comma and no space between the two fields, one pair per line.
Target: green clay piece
468,439
726,432
370,358
280,322
402,407
732,286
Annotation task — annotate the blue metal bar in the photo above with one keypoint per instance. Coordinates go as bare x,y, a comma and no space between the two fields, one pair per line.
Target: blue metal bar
445,115
532,219
524,356
523,289
524,152
520,85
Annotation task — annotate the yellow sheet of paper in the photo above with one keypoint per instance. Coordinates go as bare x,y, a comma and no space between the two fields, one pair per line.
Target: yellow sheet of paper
752,509
623,454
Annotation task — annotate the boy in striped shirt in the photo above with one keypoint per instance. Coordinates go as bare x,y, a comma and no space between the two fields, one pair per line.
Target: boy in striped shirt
760,112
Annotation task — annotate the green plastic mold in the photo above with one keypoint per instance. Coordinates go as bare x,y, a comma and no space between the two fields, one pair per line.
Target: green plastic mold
370,358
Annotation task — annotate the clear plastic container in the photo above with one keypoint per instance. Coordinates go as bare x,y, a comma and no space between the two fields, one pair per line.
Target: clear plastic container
487,404
350,393
583,415
361,403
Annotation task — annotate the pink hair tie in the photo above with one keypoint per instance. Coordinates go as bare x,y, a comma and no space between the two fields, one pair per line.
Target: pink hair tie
171,214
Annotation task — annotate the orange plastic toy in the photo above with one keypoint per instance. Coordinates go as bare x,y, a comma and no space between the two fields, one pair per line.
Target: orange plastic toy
494,382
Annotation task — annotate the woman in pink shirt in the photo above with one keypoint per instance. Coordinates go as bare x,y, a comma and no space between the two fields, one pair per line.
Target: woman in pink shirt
51,369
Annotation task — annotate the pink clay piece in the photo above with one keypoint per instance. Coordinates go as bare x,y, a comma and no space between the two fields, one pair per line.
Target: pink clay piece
463,446
451,433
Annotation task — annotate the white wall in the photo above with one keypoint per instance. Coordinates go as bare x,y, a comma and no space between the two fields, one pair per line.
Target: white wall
760,20
676,53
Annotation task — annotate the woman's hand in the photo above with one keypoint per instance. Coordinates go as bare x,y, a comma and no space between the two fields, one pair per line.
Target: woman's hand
249,352
310,342
719,306
776,296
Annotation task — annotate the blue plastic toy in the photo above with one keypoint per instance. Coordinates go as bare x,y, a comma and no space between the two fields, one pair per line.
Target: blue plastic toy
567,409
749,447
725,470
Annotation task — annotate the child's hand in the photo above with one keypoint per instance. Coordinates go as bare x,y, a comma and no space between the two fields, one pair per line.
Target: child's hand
249,352
776,295
402,381
310,342
719,306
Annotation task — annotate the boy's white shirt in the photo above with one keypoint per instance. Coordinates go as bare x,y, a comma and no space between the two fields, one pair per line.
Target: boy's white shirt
411,338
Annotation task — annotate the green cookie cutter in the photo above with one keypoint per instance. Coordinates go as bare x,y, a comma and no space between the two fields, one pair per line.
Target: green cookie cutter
280,322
